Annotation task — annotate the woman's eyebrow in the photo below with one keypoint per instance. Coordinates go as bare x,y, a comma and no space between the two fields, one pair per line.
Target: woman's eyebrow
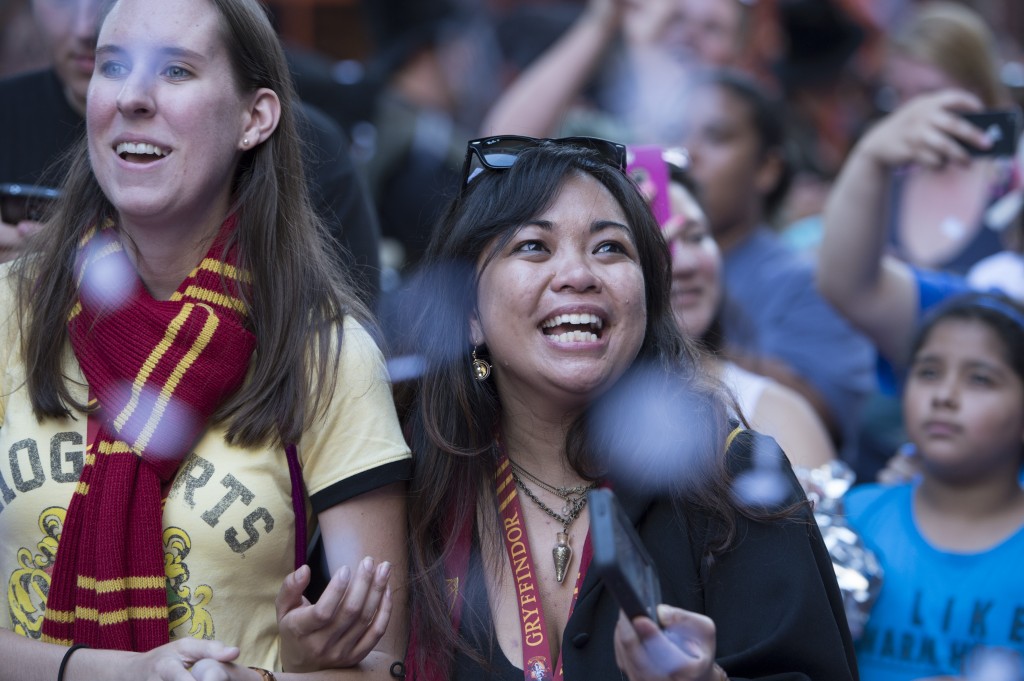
546,225
169,51
108,50
599,225
595,227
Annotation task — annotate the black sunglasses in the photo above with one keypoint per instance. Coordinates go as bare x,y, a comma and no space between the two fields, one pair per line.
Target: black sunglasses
501,152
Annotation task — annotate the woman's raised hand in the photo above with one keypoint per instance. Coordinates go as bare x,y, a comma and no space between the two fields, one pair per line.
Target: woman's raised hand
343,626
683,650
927,131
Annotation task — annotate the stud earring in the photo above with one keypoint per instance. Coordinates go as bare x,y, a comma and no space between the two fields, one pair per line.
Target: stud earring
245,143
481,369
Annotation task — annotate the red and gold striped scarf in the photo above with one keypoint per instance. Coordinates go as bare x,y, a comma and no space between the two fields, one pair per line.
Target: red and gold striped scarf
157,370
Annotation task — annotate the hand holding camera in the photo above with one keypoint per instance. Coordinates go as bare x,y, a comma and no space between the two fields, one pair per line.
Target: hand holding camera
935,129
23,207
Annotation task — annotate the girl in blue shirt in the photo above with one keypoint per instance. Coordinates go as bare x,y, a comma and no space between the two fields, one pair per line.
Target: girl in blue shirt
951,542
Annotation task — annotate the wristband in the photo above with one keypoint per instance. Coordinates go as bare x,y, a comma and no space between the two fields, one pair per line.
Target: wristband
67,656
265,673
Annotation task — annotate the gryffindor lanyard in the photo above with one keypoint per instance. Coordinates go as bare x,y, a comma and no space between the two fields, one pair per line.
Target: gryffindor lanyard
536,651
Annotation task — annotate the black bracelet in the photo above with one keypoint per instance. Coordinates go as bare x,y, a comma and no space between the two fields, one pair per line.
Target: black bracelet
67,656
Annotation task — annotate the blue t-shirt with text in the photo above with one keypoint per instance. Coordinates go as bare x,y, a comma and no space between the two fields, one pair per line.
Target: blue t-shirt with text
936,606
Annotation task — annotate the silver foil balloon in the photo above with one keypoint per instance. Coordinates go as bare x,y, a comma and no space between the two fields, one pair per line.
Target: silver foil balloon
857,568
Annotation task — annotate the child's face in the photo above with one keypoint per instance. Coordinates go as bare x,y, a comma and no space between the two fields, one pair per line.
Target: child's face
964,404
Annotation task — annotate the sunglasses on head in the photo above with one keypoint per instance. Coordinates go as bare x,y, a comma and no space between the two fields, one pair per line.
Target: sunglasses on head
501,152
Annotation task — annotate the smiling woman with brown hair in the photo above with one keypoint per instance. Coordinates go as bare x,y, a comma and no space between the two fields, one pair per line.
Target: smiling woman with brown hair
205,380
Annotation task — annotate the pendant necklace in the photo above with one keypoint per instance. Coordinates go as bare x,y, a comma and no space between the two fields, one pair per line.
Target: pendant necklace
575,499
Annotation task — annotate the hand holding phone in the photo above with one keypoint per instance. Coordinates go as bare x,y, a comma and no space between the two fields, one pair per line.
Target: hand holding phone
677,640
620,558
21,202
684,647
1001,128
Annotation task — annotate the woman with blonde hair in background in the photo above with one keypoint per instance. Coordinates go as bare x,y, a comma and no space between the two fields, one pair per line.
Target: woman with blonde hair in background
937,216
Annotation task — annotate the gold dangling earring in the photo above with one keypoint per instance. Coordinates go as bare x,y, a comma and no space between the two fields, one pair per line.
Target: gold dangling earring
481,369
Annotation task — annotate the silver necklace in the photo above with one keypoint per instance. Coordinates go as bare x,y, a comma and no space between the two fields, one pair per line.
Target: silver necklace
575,499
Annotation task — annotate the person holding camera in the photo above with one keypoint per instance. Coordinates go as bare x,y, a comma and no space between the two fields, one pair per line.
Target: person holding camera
549,328
879,293
937,216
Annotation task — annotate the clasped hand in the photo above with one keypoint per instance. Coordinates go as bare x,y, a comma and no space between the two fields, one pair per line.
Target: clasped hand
339,630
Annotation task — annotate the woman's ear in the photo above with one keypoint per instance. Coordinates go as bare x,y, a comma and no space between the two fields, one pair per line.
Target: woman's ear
261,118
769,172
476,332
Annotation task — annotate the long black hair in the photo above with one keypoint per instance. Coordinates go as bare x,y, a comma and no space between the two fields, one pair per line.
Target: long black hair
452,419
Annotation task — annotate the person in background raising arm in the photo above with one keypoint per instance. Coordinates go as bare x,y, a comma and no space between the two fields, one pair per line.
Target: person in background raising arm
879,294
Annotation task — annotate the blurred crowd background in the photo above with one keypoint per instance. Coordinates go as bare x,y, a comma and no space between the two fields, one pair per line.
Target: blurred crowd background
412,80
408,82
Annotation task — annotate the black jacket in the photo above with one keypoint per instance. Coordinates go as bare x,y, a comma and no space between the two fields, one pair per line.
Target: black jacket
773,596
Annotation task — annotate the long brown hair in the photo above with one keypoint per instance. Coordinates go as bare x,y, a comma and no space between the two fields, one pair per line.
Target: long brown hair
298,299
452,419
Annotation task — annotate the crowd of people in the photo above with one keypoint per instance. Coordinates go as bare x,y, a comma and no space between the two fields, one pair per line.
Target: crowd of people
415,323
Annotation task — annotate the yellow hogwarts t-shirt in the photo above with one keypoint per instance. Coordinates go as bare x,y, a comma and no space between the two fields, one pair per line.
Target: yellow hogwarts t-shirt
229,527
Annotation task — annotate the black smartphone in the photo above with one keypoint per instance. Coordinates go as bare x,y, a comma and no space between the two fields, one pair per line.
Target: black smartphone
620,558
1002,127
20,202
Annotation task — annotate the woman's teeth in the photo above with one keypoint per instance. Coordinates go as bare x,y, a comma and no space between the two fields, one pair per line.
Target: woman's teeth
560,328
139,148
576,337
574,319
